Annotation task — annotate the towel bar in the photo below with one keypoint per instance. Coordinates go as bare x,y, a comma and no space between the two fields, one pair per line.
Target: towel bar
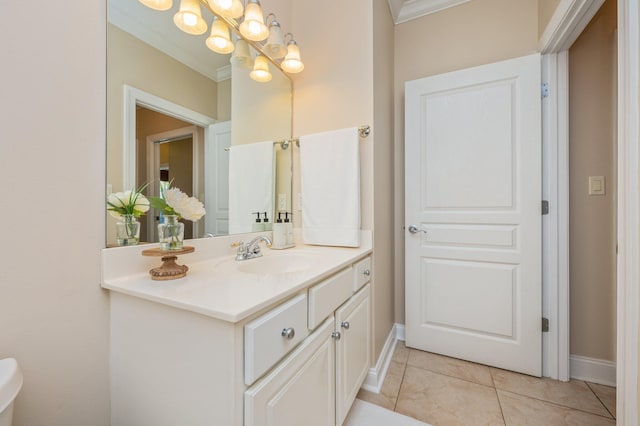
364,131
284,143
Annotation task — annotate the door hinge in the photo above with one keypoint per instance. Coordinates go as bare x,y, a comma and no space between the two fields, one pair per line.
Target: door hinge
545,207
545,325
545,90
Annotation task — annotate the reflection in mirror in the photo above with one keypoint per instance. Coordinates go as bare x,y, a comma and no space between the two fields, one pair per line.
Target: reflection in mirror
173,106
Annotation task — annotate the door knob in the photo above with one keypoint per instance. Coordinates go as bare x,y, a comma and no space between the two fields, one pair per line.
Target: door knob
345,325
414,229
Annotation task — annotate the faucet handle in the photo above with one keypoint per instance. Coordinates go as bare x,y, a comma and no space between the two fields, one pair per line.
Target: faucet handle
237,244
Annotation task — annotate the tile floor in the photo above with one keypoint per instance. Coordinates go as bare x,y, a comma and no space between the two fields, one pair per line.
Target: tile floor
446,391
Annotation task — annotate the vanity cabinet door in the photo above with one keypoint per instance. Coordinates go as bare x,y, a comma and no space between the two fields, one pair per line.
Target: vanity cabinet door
301,389
353,350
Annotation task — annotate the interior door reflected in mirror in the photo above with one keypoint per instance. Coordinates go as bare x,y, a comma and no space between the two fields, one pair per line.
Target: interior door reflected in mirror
174,108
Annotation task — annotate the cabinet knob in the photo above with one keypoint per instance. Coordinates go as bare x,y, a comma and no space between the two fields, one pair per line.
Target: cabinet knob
335,335
345,325
367,272
288,333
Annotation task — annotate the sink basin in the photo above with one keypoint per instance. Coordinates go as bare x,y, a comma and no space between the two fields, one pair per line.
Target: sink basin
273,264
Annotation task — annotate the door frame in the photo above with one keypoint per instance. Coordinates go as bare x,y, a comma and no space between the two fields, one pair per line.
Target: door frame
628,211
133,97
568,21
153,160
565,26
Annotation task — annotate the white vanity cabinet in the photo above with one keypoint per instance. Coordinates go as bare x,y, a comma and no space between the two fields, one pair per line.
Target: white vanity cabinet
353,350
298,361
300,390
305,388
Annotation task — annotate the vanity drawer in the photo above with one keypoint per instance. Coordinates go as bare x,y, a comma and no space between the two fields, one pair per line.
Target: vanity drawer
361,273
270,337
325,297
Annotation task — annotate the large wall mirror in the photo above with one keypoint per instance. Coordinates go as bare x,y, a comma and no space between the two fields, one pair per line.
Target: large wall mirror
178,112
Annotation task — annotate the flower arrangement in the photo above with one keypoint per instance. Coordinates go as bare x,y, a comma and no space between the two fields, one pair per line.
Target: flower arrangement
127,206
176,202
127,203
174,205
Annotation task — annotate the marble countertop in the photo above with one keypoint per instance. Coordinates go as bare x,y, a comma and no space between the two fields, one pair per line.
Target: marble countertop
222,288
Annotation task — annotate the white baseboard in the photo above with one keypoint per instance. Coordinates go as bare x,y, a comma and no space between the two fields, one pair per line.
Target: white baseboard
400,332
593,370
375,377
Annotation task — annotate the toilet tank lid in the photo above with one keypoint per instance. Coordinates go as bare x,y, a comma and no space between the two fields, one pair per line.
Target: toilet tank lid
10,382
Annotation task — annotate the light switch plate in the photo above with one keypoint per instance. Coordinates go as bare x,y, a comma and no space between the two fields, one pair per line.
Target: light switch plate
596,185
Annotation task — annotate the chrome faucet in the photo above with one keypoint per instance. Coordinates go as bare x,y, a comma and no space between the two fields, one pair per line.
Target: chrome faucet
250,250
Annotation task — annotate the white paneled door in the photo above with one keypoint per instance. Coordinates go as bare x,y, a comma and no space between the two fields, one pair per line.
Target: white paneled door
473,215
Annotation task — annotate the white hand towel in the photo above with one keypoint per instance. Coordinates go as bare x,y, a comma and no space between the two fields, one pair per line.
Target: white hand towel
330,188
251,184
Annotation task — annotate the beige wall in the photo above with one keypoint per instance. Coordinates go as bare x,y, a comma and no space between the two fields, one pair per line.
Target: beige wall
261,111
54,317
224,100
336,90
545,12
132,62
383,172
474,33
592,150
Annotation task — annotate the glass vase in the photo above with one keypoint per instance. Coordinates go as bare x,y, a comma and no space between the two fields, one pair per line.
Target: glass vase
127,230
171,233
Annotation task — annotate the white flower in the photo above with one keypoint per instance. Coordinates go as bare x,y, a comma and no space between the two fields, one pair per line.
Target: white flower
187,207
127,202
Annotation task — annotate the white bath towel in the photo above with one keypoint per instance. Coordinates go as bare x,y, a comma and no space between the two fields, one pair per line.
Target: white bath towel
330,188
251,184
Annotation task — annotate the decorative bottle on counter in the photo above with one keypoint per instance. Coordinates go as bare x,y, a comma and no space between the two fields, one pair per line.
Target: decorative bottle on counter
268,226
279,234
288,225
257,226
171,233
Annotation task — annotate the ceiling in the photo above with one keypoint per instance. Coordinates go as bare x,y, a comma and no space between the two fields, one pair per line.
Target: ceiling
406,10
157,29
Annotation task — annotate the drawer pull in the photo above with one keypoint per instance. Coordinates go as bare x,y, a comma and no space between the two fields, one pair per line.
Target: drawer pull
367,272
335,335
345,325
288,333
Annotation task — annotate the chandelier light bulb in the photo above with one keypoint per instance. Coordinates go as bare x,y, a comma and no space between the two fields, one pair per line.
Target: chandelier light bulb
253,26
219,41
260,71
189,18
292,62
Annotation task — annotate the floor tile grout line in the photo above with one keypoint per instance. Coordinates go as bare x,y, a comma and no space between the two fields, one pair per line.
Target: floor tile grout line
404,371
559,405
453,377
504,420
603,404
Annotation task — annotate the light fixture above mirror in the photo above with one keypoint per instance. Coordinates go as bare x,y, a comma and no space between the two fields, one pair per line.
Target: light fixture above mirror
263,35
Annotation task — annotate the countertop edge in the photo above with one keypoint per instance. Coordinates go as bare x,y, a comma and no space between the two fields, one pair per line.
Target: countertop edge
123,286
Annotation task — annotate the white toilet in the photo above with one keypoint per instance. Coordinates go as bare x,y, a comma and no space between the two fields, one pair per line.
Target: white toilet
10,384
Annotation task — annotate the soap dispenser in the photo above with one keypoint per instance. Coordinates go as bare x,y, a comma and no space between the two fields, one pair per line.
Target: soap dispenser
268,226
279,234
257,226
289,229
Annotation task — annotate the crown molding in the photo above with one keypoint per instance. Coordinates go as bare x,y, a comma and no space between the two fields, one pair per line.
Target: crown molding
406,10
